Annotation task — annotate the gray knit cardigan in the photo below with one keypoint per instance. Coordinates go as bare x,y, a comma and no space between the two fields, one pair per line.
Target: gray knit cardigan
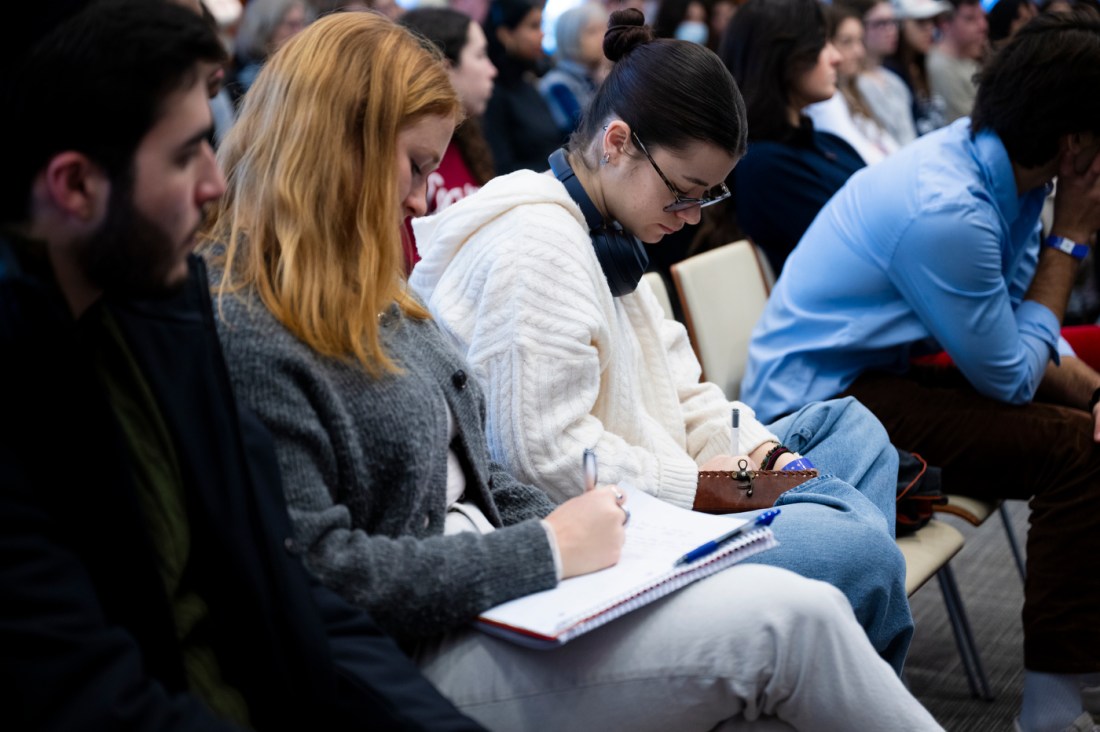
364,465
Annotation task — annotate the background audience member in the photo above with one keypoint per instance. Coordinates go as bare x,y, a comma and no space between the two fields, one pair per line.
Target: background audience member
518,124
1008,16
146,575
686,20
791,169
954,62
265,26
918,27
574,353
938,247
569,86
467,164
846,114
478,10
888,98
721,13
379,431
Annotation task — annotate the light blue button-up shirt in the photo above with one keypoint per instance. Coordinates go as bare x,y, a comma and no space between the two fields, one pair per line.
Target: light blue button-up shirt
933,248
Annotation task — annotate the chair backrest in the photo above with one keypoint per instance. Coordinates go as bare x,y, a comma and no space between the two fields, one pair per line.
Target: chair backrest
765,268
657,284
723,292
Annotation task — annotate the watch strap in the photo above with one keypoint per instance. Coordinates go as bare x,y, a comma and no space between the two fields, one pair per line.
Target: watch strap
1068,246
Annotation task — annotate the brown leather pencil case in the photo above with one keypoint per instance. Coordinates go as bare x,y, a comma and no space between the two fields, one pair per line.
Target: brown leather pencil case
732,491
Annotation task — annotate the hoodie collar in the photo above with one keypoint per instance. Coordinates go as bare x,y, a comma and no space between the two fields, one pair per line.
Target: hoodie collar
440,237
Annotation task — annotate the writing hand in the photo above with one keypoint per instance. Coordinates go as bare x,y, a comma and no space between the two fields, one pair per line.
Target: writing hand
589,531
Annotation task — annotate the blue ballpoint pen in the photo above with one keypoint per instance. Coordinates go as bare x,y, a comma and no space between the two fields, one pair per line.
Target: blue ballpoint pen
764,519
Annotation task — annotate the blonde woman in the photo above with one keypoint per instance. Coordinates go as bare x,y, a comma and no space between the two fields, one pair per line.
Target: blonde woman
379,434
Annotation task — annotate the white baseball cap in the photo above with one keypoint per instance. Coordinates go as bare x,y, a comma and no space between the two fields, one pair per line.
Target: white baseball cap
921,9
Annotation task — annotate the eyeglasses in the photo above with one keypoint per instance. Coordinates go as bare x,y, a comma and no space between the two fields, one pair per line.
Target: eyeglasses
712,195
881,23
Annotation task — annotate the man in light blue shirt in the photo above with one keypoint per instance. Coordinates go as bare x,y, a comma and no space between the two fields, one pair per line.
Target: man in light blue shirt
938,249
890,270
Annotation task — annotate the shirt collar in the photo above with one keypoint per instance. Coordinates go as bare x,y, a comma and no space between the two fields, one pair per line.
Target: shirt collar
996,168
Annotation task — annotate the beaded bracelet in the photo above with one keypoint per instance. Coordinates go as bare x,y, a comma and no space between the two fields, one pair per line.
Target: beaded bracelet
772,456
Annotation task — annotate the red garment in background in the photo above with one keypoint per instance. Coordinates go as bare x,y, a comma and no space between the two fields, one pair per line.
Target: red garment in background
1085,340
451,182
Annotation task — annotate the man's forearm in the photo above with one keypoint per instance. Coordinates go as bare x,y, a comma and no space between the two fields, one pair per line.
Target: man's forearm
1054,277
1071,384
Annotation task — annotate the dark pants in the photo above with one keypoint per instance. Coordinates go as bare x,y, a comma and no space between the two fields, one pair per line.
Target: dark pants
1042,452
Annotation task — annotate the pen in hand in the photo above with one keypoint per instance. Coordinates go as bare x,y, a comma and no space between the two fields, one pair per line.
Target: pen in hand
703,550
735,429
589,470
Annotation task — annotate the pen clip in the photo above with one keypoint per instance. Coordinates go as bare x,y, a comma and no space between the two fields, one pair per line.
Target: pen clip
590,469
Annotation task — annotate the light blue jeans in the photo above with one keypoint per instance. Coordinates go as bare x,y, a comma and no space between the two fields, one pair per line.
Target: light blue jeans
839,528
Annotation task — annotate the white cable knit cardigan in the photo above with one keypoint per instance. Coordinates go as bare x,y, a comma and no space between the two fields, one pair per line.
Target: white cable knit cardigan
510,274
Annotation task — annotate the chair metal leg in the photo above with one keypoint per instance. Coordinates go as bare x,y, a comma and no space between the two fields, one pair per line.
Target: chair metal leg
1013,544
964,638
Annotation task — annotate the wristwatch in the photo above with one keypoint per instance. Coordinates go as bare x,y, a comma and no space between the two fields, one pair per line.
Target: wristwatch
1070,247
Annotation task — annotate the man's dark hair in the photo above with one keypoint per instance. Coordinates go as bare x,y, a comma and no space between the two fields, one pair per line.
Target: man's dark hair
768,45
96,84
1045,83
1001,17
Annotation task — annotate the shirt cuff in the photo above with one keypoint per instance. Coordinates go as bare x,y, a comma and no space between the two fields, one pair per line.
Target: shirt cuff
1065,349
1037,321
553,548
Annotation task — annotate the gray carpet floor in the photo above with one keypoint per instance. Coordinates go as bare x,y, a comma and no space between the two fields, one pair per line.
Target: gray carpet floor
993,594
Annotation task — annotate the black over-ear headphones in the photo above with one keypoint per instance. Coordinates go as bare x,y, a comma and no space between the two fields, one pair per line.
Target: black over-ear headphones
621,254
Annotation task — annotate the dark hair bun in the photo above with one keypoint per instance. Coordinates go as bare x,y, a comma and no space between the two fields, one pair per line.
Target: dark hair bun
626,30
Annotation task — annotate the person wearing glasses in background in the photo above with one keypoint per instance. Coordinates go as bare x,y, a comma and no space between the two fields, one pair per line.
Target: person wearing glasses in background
846,114
536,278
887,95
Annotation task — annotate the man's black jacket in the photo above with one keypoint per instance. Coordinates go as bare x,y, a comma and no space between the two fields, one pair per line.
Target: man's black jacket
87,639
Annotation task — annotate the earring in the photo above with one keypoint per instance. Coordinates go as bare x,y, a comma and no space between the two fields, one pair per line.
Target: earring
606,159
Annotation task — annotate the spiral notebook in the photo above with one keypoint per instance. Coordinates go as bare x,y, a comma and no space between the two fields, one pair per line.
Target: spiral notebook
658,534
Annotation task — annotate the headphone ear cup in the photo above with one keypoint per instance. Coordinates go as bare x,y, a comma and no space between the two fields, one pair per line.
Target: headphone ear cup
622,258
621,254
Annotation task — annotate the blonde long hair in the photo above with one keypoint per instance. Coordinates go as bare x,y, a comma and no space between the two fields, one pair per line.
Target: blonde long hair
311,216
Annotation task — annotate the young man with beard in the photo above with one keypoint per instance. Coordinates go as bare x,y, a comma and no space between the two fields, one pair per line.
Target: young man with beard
147,577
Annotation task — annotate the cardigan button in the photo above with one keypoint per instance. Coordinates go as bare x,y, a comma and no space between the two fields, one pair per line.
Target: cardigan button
290,545
458,378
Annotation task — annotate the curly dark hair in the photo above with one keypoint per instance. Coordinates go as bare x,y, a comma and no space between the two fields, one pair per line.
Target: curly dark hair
1042,85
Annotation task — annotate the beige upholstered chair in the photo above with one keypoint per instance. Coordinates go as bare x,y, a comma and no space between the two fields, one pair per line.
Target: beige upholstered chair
723,293
975,511
657,284
927,551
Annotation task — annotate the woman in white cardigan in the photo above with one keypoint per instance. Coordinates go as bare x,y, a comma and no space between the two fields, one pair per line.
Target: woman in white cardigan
512,274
